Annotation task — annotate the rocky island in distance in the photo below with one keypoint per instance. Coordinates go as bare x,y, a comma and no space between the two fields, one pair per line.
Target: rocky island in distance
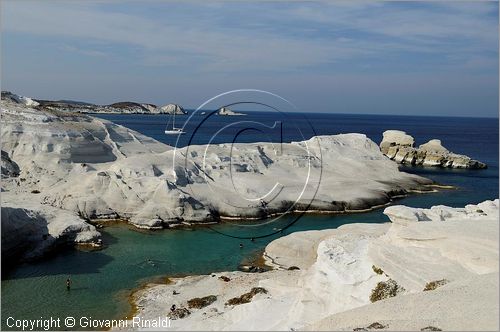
126,107
227,112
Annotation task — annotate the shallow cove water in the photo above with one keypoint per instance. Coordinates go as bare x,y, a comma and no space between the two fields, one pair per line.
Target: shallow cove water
102,280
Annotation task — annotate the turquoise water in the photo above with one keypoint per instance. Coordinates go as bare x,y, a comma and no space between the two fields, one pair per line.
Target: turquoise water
103,279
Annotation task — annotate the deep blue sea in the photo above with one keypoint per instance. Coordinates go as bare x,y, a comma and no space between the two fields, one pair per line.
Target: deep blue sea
103,279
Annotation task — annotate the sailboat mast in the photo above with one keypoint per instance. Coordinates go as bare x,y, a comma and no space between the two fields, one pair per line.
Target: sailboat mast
173,120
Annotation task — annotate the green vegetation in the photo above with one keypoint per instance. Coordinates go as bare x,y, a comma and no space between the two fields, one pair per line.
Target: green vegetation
376,326
201,302
372,326
435,284
385,290
247,297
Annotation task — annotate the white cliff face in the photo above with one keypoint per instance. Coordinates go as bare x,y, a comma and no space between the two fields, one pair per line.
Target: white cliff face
29,230
97,169
172,109
398,146
453,254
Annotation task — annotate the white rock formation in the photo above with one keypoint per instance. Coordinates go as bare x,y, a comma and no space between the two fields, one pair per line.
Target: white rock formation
29,230
398,146
48,150
19,99
340,268
171,109
227,111
97,169
396,137
151,108
124,108
434,145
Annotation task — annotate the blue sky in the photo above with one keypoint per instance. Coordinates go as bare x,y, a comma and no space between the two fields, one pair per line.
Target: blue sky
419,58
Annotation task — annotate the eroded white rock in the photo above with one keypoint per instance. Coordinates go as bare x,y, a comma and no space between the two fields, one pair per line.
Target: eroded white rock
30,230
98,169
398,146
332,289
396,138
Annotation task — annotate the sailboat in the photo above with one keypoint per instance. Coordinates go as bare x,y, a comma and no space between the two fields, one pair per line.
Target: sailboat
173,130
